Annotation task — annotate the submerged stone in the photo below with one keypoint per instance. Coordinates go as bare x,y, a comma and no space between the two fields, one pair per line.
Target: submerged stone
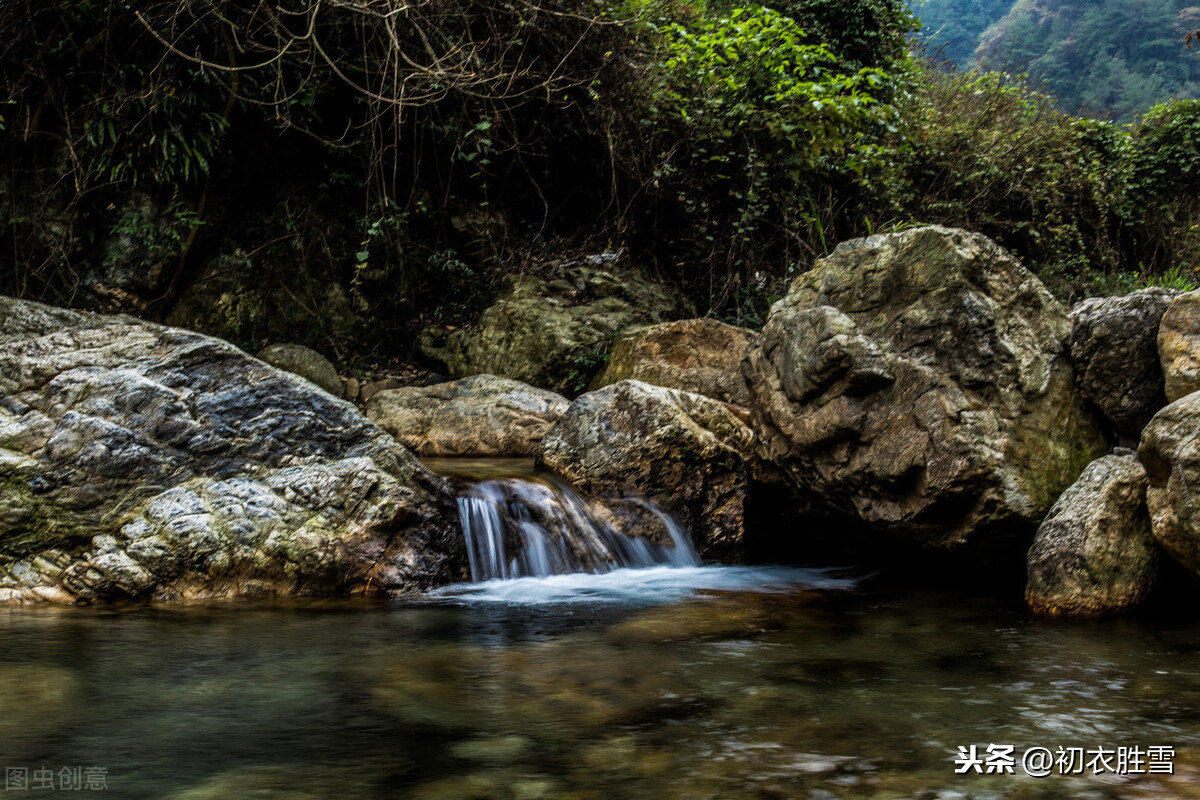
36,700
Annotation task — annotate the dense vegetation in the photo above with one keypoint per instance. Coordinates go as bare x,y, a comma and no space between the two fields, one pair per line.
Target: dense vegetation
1104,57
951,29
343,173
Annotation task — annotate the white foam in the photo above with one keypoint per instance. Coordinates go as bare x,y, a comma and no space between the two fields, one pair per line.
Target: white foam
643,586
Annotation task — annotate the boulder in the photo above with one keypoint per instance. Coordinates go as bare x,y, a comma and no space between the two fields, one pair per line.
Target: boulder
687,453
552,333
1179,346
918,382
1170,451
1114,344
1094,554
138,461
703,356
478,416
372,388
231,300
305,362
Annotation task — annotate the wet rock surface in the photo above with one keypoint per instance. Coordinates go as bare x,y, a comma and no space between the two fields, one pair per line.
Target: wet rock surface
1094,554
1114,344
918,382
138,460
686,452
483,415
702,356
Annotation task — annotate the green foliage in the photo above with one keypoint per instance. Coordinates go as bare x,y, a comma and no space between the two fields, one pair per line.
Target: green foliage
1115,56
751,79
586,366
861,33
747,122
1166,153
155,234
1081,200
344,177
951,29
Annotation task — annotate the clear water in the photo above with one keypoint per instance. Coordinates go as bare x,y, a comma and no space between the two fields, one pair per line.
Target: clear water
704,683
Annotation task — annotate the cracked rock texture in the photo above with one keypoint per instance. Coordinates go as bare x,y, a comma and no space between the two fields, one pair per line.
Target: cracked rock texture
688,453
1114,344
139,461
1170,451
1179,346
1093,554
703,356
483,415
918,383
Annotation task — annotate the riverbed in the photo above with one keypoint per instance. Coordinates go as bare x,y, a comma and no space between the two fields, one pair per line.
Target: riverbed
707,682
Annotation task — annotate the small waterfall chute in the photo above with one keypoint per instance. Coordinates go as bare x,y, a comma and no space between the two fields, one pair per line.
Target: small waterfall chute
536,527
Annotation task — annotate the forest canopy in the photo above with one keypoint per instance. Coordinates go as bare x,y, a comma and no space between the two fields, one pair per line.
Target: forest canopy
343,173
1102,57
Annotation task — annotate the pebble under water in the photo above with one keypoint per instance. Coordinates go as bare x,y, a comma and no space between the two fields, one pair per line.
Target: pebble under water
702,683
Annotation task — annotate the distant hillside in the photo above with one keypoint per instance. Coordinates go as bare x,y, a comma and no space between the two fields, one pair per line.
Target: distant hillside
1101,56
951,29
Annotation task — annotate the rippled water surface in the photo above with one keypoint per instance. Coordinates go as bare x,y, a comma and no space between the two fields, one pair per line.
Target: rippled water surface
705,683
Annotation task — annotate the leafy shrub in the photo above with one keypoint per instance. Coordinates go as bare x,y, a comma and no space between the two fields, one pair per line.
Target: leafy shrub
861,33
1089,204
748,122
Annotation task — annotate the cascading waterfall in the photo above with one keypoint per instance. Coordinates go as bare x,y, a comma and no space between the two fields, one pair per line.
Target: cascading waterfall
533,527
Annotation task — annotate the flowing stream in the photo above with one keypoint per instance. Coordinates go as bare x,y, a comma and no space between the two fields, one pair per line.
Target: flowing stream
525,527
667,681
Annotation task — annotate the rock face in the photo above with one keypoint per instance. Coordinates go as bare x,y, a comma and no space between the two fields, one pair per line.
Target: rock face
1094,554
305,362
703,356
478,416
918,382
1179,346
686,452
1114,344
143,461
552,333
1170,450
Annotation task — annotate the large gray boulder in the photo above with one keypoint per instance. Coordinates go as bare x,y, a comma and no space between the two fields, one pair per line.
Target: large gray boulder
1114,344
305,362
552,333
918,382
1094,554
688,453
138,460
478,416
1179,346
1170,450
703,356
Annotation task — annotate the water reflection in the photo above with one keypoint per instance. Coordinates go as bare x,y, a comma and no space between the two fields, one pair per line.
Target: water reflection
807,691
